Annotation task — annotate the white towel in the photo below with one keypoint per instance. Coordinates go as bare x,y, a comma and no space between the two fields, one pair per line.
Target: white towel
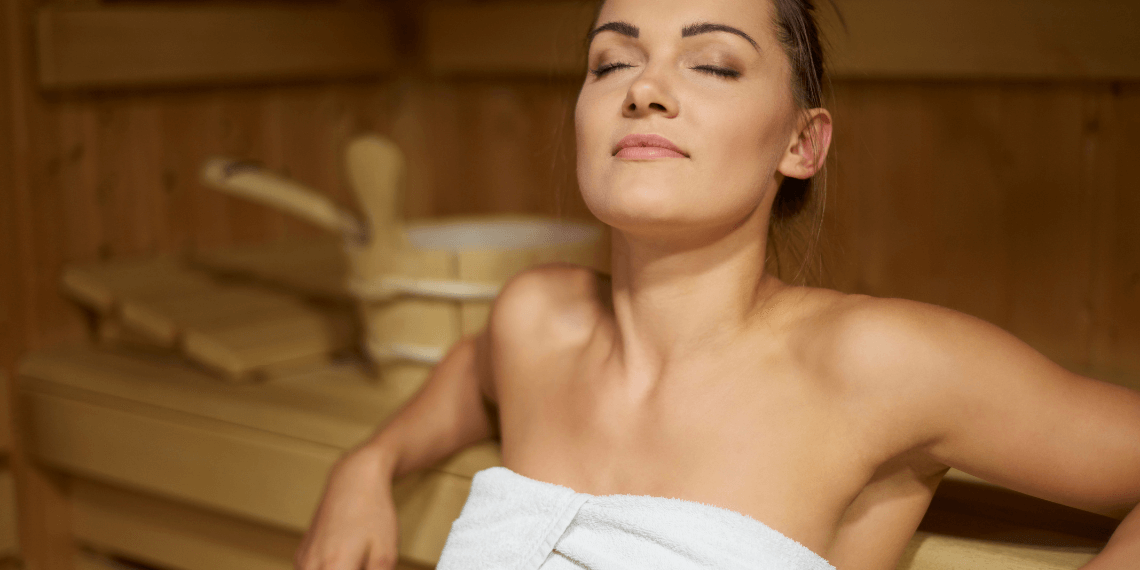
512,522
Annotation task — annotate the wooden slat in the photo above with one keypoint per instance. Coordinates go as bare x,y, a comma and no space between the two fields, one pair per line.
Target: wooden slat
139,527
260,476
1007,39
245,453
1006,548
101,287
9,539
237,329
313,266
963,493
943,222
181,45
1112,144
507,37
335,406
340,412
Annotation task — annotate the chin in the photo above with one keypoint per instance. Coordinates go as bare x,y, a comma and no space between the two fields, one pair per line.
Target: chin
636,205
653,217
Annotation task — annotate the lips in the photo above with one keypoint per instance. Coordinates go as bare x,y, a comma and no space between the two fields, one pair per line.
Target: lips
646,146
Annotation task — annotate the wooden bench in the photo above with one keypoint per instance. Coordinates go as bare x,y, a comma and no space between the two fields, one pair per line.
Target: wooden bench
169,466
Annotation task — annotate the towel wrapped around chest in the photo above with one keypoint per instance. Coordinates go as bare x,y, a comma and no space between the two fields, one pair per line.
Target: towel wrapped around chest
512,522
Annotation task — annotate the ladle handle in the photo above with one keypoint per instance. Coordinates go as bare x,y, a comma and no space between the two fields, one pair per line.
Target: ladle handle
253,182
375,172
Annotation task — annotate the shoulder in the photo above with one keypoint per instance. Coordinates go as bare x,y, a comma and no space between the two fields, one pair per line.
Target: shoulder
921,364
864,337
552,302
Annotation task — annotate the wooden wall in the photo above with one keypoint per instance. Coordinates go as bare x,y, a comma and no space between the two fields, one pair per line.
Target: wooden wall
1010,196
1012,201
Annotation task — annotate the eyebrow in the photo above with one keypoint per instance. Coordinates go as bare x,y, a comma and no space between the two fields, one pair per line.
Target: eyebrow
709,27
623,28
628,29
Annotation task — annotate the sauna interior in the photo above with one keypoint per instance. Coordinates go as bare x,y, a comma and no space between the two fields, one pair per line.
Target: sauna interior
185,351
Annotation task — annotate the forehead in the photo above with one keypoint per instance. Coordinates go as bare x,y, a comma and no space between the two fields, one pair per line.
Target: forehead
754,17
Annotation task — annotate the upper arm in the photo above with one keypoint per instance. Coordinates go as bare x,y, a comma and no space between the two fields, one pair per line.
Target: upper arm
990,405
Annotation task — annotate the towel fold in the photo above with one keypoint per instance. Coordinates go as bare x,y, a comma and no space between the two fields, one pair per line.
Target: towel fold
512,522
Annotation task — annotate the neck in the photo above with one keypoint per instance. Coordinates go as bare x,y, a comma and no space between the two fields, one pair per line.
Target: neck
672,301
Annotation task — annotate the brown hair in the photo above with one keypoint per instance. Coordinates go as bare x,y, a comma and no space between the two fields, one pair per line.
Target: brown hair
797,31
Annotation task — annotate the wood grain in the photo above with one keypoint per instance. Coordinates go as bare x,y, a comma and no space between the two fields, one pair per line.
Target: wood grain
976,197
107,46
965,39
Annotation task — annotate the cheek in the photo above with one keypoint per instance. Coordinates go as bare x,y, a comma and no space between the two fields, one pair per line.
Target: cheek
591,138
747,135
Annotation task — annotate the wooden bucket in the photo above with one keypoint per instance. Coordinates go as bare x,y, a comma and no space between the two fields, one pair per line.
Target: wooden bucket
420,285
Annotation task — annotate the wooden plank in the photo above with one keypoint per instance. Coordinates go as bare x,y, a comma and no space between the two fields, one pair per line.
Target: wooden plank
12,183
1006,39
42,512
1112,143
290,336
999,39
978,211
260,476
6,390
336,406
1006,548
101,287
310,266
340,413
236,471
965,494
9,539
164,533
184,45
235,328
138,527
507,37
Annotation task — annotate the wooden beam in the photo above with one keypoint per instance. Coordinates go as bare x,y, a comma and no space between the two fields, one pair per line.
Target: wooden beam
507,37
964,39
985,39
105,47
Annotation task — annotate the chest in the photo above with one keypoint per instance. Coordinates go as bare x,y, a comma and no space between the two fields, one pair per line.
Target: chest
752,443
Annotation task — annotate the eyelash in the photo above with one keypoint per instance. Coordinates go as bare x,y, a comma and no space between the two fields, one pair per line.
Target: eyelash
603,70
718,71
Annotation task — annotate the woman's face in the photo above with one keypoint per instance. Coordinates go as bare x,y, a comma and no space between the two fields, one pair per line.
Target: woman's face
713,80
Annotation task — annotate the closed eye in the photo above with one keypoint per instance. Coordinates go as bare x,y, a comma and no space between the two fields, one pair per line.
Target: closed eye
602,70
718,71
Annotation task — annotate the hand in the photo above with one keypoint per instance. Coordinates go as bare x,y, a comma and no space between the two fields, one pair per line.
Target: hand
355,525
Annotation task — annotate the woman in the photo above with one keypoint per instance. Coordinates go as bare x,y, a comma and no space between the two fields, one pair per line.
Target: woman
696,375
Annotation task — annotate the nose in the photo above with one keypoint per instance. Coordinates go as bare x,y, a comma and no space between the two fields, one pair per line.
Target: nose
650,93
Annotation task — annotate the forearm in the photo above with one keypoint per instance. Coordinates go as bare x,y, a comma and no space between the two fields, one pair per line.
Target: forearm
1123,549
446,415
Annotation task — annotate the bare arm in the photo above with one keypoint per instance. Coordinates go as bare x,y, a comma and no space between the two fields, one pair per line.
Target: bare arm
990,405
449,413
355,525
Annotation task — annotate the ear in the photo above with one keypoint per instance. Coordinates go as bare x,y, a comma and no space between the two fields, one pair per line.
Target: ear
808,146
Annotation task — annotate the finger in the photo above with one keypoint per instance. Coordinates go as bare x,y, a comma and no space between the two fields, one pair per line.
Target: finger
380,559
301,555
352,558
